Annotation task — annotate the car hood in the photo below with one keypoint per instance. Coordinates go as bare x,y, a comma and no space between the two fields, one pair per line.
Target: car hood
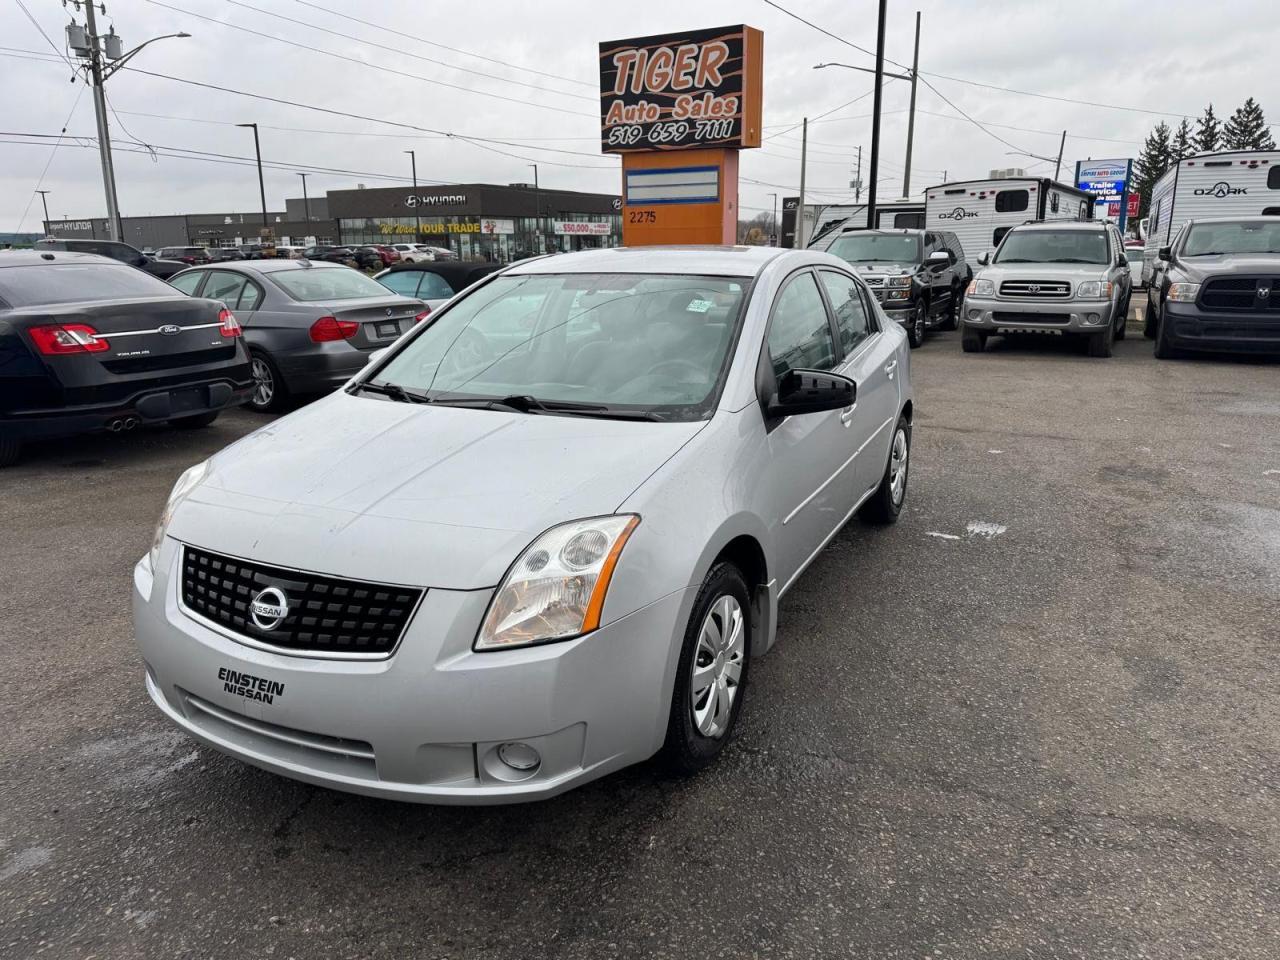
405,493
1230,264
890,268
1075,272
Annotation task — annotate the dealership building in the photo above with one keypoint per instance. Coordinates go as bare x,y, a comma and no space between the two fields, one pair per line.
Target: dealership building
477,221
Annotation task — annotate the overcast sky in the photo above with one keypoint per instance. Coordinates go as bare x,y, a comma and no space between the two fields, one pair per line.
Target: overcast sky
1171,57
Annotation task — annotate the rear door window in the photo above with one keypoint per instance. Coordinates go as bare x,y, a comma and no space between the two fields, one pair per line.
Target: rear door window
188,283
225,286
800,334
434,287
250,297
403,282
851,316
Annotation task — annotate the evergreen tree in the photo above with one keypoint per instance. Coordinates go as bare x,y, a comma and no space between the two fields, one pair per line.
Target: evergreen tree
1247,129
1156,157
1183,146
1208,132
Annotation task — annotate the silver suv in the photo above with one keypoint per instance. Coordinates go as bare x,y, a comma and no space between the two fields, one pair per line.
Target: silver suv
1070,278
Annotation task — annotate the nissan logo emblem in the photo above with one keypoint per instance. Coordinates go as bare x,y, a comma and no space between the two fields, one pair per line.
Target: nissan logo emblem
170,329
269,608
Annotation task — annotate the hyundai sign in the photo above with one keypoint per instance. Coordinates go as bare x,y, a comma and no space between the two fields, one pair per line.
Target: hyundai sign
1108,181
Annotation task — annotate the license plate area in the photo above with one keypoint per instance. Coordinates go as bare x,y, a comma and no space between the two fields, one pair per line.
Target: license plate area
386,330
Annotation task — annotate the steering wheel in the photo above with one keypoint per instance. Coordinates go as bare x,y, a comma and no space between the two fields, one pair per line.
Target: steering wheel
654,371
471,349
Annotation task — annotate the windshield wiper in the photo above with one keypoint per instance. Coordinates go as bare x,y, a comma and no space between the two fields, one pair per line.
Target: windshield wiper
392,391
526,403
1073,260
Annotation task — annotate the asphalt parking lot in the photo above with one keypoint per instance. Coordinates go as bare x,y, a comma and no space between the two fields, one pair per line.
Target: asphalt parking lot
1040,717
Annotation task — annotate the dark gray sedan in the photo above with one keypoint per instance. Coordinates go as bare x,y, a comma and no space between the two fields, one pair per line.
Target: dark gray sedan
308,326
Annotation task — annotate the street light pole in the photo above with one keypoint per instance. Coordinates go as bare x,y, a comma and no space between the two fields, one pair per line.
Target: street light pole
804,157
774,230
875,118
306,204
44,199
537,210
99,74
417,219
262,189
911,114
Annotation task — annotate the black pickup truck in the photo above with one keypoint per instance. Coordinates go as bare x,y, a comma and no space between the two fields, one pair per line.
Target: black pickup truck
1217,288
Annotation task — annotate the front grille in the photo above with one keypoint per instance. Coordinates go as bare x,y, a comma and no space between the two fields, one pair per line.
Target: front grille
1241,293
1015,317
1036,289
163,361
326,616
873,281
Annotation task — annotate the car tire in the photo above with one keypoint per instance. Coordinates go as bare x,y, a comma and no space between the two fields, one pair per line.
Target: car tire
695,738
1164,350
887,502
1099,344
917,324
195,423
269,390
10,451
971,340
1124,320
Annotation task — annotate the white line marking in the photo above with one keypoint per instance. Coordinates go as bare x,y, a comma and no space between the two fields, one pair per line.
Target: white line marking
941,536
985,528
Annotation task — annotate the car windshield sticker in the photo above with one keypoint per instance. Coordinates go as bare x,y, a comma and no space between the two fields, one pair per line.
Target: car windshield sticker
699,306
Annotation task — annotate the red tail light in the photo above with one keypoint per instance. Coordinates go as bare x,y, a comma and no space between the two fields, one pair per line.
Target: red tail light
191,260
426,312
228,325
327,329
57,339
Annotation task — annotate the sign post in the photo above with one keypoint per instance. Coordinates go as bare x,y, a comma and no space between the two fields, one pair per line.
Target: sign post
1108,181
678,107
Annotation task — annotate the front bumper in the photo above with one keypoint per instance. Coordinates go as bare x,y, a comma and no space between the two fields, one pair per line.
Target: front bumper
1067,316
147,406
424,724
1193,328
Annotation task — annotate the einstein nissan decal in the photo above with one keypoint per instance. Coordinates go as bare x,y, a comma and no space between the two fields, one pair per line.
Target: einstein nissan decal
1220,189
250,687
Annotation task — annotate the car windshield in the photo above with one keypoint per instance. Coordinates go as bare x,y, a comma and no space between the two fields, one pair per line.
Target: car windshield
1248,236
1053,246
876,248
76,283
327,283
651,346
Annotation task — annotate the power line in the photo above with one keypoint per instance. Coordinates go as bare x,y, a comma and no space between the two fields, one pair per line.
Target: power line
372,66
442,46
406,53
47,39
48,163
994,136
816,119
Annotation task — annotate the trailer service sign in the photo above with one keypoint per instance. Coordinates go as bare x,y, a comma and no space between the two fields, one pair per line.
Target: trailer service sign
697,89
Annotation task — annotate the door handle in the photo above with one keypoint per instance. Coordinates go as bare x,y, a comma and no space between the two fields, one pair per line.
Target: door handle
890,367
846,416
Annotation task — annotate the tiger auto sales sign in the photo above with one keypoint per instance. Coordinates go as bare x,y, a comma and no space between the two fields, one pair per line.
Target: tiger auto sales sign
700,88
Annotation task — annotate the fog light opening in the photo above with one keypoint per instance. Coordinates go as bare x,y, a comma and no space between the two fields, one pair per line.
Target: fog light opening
519,757
1094,318
975,314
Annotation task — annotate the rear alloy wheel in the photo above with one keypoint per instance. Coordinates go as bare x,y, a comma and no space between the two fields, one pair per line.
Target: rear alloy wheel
711,676
916,326
269,390
196,422
971,340
10,450
886,503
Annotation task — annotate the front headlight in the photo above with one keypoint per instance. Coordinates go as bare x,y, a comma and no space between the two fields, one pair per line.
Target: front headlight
981,288
897,282
1184,292
186,483
555,590
1094,290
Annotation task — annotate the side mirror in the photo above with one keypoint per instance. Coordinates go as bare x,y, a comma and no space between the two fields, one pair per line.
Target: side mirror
984,259
811,391
1165,253
940,257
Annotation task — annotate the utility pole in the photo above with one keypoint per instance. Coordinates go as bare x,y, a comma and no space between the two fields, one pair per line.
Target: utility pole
417,218
875,118
537,211
857,177
775,231
911,114
262,189
804,155
1062,144
306,204
84,44
44,199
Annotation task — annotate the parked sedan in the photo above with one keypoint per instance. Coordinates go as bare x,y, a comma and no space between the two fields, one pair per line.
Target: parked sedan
308,326
433,281
509,559
188,255
90,344
121,252
373,257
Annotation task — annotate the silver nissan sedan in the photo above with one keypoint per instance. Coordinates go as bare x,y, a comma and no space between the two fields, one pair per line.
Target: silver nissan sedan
538,539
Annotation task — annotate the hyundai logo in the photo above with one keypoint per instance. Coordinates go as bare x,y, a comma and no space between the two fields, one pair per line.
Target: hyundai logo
269,608
169,329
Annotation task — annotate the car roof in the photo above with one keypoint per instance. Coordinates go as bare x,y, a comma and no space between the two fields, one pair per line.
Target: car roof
705,260
274,266
1256,218
28,258
1063,225
453,271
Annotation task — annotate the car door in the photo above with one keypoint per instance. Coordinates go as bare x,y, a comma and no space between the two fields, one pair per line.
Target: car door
937,274
811,455
870,360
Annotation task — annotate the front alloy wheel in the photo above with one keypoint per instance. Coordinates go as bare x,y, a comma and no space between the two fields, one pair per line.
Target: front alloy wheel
717,666
916,326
